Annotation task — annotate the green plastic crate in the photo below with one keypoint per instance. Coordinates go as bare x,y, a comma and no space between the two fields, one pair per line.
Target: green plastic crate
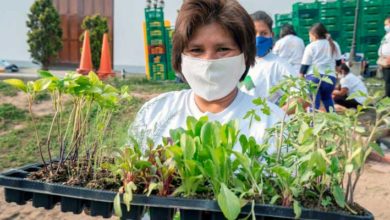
301,6
329,20
154,14
365,3
287,16
371,10
330,5
281,23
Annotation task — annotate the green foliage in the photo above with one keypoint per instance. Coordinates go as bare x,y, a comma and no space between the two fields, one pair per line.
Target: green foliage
44,35
96,25
87,93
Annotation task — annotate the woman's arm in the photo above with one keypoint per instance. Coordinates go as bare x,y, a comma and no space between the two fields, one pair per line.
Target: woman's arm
303,70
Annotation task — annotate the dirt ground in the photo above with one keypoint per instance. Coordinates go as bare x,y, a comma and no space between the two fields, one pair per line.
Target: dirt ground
373,193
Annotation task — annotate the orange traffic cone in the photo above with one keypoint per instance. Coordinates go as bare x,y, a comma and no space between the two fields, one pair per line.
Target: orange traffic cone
105,60
86,58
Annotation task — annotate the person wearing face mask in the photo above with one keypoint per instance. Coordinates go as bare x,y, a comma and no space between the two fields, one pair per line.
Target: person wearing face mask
349,84
290,47
213,47
384,57
322,54
269,69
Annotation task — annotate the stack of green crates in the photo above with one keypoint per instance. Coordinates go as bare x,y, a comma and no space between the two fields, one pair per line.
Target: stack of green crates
168,39
280,20
371,28
155,34
339,17
304,16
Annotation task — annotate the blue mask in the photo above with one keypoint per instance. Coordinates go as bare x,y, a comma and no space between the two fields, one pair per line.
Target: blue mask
387,29
263,45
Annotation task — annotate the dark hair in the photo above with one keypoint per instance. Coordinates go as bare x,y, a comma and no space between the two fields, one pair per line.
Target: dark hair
320,32
263,16
387,18
286,29
227,13
345,67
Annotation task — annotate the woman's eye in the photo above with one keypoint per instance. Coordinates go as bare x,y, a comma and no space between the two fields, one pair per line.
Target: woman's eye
223,49
195,50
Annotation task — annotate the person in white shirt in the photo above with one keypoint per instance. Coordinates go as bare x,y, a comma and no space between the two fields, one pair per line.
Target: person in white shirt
384,56
269,69
213,47
290,47
349,84
322,54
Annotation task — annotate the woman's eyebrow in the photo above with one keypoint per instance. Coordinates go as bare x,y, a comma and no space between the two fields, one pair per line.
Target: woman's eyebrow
194,45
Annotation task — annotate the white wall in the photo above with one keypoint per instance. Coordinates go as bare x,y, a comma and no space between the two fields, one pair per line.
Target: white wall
129,15
128,34
13,30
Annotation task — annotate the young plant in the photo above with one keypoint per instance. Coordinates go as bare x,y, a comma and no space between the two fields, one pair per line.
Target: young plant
86,93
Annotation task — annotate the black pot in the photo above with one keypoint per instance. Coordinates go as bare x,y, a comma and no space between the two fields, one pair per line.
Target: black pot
18,189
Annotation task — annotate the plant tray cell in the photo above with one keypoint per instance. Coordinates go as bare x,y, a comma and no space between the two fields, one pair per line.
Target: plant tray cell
161,213
100,202
72,205
136,212
46,201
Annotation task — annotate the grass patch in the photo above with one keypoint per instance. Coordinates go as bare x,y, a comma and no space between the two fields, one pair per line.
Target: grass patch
9,112
43,96
7,90
140,84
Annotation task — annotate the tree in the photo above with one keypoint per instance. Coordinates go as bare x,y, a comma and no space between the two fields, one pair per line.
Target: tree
97,26
44,36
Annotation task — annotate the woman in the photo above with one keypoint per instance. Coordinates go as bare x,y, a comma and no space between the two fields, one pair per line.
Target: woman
290,47
349,84
323,55
384,57
269,69
213,47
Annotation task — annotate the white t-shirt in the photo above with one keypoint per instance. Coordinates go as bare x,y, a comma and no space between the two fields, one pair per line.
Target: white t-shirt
266,73
353,84
384,49
170,111
319,54
290,48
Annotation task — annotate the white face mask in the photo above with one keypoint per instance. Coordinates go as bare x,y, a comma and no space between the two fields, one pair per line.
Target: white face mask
387,28
213,79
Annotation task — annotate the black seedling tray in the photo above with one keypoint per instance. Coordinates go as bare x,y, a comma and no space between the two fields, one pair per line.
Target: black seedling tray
18,189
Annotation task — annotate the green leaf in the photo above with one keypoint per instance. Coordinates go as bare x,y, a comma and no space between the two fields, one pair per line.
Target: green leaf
188,146
327,80
229,203
141,164
210,134
297,209
152,186
41,84
94,79
117,205
274,199
349,168
338,195
377,148
45,74
17,83
127,198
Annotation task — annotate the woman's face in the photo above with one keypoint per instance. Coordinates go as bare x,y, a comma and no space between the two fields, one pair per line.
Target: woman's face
312,37
262,29
211,42
387,22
